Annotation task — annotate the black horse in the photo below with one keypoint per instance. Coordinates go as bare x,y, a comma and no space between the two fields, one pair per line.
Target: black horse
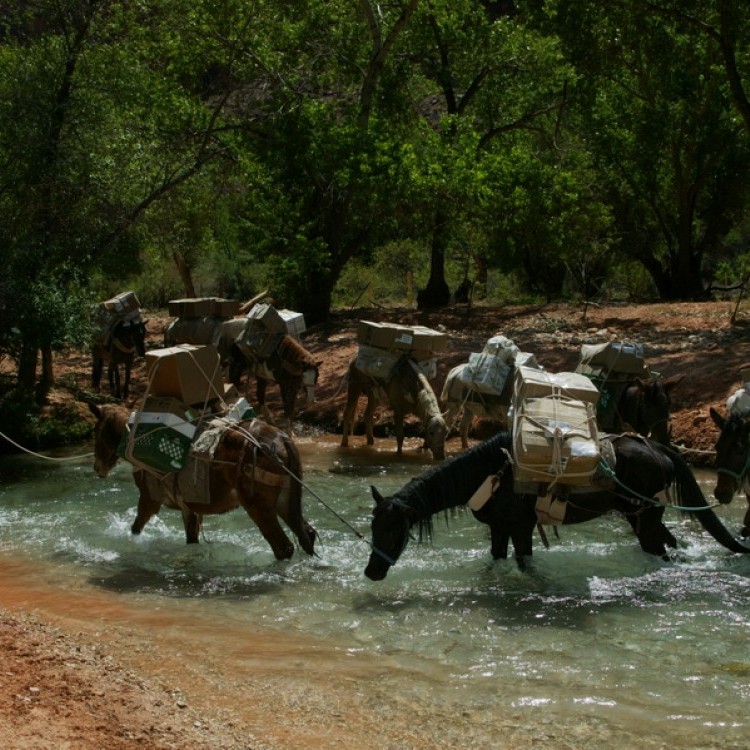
643,468
118,346
733,460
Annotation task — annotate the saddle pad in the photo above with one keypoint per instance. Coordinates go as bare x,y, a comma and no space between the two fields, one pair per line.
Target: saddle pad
194,481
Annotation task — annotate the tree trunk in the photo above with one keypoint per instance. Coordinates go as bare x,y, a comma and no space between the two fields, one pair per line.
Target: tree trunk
184,271
436,293
27,367
47,379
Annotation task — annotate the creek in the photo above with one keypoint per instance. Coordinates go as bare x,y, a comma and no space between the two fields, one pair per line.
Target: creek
599,641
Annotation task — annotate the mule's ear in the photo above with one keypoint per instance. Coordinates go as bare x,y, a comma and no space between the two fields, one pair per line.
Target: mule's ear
95,410
719,421
378,497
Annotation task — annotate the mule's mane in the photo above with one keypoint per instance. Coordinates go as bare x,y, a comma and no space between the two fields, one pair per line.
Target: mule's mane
452,482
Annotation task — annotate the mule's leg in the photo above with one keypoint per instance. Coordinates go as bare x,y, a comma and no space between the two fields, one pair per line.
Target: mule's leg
126,385
148,507
114,378
347,421
193,523
398,423
289,391
653,536
96,373
466,421
300,526
266,520
260,392
370,417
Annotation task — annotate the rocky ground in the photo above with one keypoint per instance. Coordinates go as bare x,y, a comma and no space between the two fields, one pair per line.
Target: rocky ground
63,689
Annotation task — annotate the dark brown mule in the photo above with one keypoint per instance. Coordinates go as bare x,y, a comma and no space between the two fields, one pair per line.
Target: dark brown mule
733,460
118,347
254,466
643,406
290,365
407,391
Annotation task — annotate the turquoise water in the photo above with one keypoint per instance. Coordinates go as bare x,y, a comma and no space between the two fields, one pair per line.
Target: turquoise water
598,641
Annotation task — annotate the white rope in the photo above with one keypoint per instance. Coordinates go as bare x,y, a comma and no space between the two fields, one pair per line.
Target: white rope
46,458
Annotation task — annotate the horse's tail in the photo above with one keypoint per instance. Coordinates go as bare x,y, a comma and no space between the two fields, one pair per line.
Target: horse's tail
691,496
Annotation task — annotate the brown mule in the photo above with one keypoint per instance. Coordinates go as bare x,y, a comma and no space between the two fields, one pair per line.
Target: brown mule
254,465
407,391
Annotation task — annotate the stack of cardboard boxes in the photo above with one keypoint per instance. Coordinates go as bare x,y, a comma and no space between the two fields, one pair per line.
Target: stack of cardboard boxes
265,328
203,307
185,382
555,437
381,345
122,308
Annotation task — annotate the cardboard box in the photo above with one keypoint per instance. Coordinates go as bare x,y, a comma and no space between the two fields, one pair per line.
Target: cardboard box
224,308
532,383
186,372
403,338
190,307
426,338
555,439
161,438
294,321
123,303
268,316
258,343
615,356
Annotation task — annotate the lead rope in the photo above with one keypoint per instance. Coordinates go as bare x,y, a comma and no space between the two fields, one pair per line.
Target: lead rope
264,449
40,455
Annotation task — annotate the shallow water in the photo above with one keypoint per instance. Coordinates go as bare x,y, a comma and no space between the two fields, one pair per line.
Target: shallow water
600,640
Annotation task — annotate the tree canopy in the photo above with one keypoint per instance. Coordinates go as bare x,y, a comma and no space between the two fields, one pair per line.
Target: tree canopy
282,144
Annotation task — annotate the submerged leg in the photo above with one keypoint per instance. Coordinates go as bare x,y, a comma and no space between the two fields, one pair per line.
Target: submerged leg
193,523
148,507
653,536
266,520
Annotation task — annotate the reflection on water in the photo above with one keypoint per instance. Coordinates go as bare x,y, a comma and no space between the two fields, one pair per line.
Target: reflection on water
610,642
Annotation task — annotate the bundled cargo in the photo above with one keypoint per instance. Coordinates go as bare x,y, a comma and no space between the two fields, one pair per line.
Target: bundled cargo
192,374
485,373
160,435
277,321
123,309
383,344
613,358
533,383
555,437
401,339
265,326
192,308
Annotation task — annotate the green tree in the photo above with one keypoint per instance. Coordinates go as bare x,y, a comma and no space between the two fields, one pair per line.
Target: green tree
96,125
658,118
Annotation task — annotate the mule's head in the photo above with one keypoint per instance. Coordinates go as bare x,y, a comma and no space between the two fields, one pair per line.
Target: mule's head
390,535
435,433
130,336
646,406
111,426
732,454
